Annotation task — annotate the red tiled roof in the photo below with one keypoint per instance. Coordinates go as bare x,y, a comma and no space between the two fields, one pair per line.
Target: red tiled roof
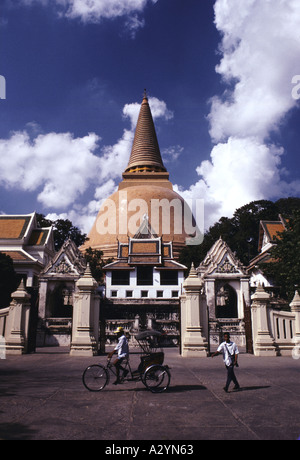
13,227
18,255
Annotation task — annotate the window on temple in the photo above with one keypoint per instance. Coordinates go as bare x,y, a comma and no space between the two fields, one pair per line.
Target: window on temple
169,278
120,278
144,276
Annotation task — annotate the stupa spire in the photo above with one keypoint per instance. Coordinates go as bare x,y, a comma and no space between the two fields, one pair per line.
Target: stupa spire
145,153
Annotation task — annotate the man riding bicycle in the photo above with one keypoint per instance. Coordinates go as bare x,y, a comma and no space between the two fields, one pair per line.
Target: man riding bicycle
123,353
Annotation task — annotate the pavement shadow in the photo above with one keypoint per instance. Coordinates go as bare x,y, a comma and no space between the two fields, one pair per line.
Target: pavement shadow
182,388
15,432
171,389
254,388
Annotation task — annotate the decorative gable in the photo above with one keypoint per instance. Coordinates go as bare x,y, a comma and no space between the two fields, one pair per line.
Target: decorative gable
63,266
227,267
68,261
221,260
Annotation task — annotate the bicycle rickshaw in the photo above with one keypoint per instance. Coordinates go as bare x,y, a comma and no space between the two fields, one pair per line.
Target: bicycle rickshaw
151,370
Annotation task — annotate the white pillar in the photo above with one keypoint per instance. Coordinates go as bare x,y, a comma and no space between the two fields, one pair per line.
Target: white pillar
16,331
85,323
263,343
2,347
295,308
193,315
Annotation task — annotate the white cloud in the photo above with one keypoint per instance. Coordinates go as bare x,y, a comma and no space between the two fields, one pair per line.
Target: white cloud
93,11
261,51
260,54
57,166
172,153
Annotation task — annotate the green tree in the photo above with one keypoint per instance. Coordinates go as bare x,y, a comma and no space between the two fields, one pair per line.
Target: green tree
63,229
284,268
94,258
241,231
8,280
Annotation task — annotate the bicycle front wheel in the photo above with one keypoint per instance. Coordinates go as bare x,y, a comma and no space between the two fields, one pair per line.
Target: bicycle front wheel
95,377
156,378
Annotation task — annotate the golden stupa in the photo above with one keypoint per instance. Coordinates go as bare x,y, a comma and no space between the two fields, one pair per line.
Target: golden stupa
145,184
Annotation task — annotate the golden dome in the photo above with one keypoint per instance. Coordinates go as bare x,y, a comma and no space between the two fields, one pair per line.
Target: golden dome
122,214
144,191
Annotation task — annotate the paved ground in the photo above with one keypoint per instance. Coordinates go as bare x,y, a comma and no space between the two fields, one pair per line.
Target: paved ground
42,398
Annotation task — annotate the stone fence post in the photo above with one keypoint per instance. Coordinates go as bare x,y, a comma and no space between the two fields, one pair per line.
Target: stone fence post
263,342
16,330
193,318
295,308
85,325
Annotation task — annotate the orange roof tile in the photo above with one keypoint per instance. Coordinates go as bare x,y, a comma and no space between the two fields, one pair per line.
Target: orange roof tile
38,237
13,227
274,228
17,255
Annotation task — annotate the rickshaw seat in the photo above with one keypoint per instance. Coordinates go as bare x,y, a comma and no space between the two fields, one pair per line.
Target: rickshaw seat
150,359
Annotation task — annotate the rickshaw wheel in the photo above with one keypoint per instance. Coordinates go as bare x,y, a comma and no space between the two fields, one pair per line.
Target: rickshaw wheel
156,378
95,377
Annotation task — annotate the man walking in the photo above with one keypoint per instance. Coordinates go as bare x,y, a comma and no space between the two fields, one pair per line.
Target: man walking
122,350
230,355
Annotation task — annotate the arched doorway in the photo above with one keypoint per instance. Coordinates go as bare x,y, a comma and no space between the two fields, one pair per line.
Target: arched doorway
226,302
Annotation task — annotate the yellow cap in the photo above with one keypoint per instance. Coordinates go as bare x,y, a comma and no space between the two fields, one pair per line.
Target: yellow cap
119,329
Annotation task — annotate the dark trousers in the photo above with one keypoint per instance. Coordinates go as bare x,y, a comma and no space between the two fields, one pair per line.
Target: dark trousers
231,376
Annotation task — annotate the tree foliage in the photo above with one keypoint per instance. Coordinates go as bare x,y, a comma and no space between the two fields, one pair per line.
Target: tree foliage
94,258
241,232
63,229
285,266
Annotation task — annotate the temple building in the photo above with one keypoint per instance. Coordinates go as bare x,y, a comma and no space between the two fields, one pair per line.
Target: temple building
226,285
142,228
143,286
144,190
30,247
268,232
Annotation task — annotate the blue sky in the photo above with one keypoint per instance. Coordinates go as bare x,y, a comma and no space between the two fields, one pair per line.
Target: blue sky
218,76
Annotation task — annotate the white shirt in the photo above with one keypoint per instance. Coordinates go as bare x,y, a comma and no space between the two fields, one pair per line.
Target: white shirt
228,349
122,347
